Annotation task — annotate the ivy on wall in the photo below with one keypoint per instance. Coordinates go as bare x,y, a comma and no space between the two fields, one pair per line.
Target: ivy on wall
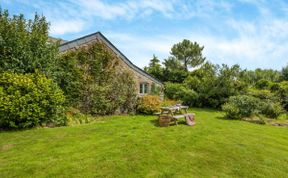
94,81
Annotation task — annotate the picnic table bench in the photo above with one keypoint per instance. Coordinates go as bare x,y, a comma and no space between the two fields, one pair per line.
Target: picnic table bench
175,112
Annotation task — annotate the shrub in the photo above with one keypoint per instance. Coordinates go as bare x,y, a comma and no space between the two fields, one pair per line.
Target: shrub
169,102
271,109
155,90
148,104
75,117
274,86
282,92
177,91
24,46
263,84
241,106
263,94
29,100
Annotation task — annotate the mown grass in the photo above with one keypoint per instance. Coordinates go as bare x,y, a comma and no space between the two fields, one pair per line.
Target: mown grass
134,146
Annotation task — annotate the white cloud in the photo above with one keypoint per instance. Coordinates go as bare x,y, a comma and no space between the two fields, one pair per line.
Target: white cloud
60,27
126,9
101,9
63,13
257,42
251,49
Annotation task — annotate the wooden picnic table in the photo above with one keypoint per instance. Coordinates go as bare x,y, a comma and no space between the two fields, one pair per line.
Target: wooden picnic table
175,112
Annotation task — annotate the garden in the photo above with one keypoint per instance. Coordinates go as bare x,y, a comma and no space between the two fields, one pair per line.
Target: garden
134,146
77,114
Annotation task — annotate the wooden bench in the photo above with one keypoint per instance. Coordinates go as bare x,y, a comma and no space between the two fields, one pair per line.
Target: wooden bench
174,112
159,113
176,117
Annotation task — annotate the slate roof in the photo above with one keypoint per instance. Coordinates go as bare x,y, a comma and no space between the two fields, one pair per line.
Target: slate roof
98,35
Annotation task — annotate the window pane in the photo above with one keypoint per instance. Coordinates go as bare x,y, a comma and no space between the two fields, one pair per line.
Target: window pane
141,88
146,88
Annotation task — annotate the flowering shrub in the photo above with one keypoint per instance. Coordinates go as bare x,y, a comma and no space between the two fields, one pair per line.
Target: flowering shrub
148,104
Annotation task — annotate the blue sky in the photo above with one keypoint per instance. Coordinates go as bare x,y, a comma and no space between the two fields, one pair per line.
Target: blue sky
251,33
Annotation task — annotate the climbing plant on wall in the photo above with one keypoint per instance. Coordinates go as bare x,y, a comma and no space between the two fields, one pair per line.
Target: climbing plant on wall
94,81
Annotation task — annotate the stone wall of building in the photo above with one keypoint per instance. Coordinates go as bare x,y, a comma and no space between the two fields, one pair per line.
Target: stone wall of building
140,77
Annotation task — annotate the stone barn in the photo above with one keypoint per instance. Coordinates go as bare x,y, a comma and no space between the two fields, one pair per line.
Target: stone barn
145,83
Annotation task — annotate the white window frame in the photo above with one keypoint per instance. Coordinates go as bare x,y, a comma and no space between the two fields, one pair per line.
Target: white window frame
143,88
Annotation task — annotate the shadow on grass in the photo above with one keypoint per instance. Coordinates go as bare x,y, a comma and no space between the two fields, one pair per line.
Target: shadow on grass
227,118
207,110
258,121
223,118
155,122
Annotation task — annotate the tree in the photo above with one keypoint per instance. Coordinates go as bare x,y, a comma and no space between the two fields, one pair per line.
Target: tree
284,73
23,44
214,84
173,71
252,77
154,68
189,53
154,62
172,64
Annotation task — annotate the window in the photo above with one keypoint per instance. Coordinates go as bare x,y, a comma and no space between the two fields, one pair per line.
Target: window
143,88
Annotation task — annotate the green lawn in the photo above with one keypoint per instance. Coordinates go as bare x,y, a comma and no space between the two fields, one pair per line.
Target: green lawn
133,146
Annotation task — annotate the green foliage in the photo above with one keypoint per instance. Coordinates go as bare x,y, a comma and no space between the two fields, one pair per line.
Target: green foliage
155,68
23,45
252,77
214,84
276,96
262,94
29,100
271,109
148,104
284,73
170,102
155,90
208,86
282,93
94,82
241,106
263,84
180,92
189,53
75,117
173,71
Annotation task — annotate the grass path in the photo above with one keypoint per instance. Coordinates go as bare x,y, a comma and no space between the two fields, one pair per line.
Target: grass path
132,146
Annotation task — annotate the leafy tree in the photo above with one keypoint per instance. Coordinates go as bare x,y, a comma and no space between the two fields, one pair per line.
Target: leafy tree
155,68
180,92
172,64
173,71
23,44
252,77
284,73
189,53
263,84
282,92
215,84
